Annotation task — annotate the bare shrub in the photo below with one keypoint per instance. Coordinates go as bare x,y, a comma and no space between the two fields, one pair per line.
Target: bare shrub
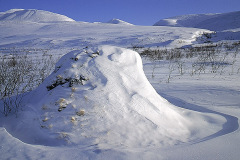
20,73
14,81
211,58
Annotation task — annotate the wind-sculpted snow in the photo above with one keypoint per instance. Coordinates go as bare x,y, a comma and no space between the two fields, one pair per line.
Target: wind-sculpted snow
100,96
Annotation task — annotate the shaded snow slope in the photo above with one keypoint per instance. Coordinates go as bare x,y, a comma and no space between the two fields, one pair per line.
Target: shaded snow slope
100,96
216,22
32,15
118,21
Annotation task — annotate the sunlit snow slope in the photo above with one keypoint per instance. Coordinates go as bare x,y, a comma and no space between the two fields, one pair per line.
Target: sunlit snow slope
52,34
118,21
216,22
32,15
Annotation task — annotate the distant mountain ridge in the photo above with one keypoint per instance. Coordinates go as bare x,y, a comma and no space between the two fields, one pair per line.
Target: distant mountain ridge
118,21
32,15
216,22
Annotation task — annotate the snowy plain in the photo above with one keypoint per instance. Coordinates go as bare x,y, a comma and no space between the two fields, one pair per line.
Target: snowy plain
119,109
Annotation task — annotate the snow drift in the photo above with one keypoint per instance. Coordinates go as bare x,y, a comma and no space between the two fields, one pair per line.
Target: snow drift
32,15
216,22
101,97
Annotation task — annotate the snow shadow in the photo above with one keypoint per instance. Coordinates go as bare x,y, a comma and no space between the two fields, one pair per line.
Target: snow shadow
229,126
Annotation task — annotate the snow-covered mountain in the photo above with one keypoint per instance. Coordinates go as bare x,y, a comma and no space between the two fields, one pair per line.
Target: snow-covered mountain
216,22
32,15
118,21
83,33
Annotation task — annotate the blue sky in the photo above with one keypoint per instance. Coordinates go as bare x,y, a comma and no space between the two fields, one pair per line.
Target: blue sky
139,12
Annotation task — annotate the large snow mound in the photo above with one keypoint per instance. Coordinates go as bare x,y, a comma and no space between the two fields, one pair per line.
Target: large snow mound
216,22
118,21
101,97
32,15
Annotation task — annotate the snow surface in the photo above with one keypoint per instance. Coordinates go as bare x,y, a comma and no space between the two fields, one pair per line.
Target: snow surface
32,15
98,103
215,22
81,34
121,107
205,93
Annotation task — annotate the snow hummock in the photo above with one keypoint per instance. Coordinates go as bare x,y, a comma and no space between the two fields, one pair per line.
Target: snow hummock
101,97
32,15
216,22
119,104
118,21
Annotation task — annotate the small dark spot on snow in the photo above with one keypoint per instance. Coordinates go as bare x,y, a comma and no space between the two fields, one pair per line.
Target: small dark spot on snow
80,113
97,151
71,81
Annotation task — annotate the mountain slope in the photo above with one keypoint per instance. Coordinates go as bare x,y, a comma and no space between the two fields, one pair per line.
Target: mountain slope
216,22
91,34
118,21
29,32
32,15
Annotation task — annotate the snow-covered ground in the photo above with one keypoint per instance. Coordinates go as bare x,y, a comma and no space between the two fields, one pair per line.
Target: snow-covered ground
82,34
103,101
206,93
